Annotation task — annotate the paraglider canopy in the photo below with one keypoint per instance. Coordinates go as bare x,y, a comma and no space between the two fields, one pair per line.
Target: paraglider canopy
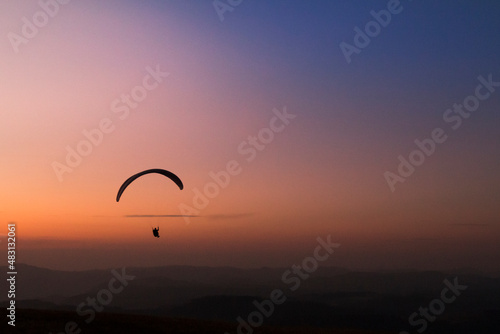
163,172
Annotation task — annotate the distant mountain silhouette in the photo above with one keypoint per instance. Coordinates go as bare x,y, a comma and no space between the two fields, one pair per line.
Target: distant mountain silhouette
331,298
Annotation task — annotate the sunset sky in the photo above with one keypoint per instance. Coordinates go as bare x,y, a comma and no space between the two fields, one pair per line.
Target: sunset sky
322,173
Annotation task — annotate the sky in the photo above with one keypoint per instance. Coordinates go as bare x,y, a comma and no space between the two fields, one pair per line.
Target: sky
309,112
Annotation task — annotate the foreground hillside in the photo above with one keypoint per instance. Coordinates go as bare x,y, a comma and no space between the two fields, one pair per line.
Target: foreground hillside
43,321
332,298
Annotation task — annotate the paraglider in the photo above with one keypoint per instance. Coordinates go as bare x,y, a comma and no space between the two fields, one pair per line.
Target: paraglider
163,172
156,232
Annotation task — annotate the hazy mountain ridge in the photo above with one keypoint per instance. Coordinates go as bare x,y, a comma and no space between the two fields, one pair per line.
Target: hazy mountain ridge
331,298
54,283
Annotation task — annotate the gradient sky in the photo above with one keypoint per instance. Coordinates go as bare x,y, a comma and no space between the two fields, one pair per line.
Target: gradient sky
323,174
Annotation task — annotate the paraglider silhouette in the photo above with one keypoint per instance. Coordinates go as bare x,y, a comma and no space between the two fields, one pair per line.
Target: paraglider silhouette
156,232
163,172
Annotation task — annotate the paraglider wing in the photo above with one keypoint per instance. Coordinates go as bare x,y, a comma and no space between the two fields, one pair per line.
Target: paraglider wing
164,172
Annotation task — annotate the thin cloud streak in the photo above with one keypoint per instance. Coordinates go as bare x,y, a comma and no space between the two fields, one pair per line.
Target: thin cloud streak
230,216
156,216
